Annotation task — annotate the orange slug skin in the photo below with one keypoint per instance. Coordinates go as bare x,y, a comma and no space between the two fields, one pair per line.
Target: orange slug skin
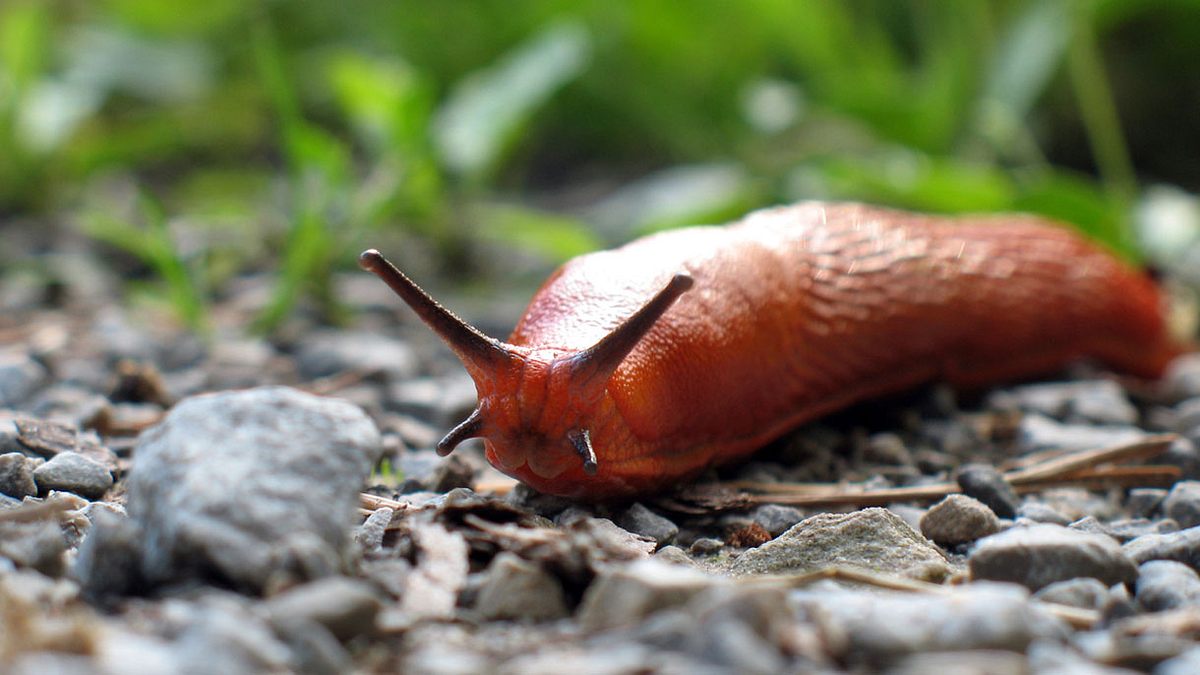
796,312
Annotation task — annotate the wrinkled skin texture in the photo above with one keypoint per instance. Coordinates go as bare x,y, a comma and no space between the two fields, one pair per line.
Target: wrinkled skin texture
796,312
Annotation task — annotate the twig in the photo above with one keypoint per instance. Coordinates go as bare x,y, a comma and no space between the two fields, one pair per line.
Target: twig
328,385
1142,448
370,502
1086,468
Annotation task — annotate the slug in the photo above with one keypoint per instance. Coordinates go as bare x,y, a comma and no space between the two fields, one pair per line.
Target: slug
634,369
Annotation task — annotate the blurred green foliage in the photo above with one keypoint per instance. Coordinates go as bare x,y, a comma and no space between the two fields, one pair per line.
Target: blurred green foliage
301,130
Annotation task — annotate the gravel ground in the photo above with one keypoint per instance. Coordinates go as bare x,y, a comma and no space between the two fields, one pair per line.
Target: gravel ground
175,505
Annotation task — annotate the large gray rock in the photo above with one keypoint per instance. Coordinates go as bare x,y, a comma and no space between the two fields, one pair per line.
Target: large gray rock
872,539
1040,555
240,485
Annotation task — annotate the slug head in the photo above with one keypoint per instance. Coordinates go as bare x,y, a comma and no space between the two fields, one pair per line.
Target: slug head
534,404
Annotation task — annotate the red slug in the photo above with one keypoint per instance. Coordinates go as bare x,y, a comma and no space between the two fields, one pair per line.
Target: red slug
635,369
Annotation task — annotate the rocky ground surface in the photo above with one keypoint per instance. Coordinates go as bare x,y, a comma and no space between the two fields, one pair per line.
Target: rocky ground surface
176,505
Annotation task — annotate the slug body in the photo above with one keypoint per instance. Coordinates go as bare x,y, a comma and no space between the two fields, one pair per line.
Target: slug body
635,369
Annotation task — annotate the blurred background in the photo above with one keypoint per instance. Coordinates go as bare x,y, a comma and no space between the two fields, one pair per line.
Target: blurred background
186,146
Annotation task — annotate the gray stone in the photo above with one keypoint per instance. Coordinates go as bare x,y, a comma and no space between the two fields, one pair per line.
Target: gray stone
872,539
887,448
1039,555
109,561
345,607
37,545
674,555
624,595
706,546
985,483
738,628
1037,512
979,662
224,637
1144,502
1088,402
16,475
1182,379
72,472
1166,584
68,403
513,588
958,519
641,520
1184,454
1182,546
314,650
20,376
1183,503
325,353
873,627
1128,530
370,534
776,519
444,401
1037,432
1187,663
246,484
1084,592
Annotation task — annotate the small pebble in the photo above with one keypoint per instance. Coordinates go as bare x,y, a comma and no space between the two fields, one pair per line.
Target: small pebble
1184,454
674,555
1182,379
1182,546
641,520
623,596
325,352
1083,592
1038,512
1166,584
20,376
36,545
776,519
1183,503
513,588
1039,555
706,546
1186,663
16,475
985,483
72,472
876,627
958,519
346,607
1038,432
1144,502
370,534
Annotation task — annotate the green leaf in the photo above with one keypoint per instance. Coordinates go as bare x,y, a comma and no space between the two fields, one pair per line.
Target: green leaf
486,110
552,236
